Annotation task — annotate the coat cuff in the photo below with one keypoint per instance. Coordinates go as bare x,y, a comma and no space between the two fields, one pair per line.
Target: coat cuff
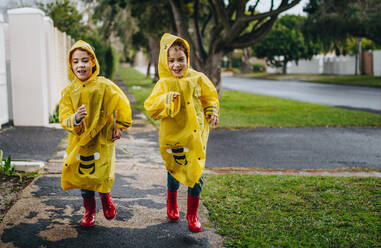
77,126
172,107
211,110
123,124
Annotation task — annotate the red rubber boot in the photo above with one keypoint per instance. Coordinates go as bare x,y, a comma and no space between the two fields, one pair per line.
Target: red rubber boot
172,208
88,219
109,209
194,224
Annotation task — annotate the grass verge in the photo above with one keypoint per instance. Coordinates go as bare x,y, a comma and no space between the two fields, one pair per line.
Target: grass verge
246,110
138,85
294,211
361,80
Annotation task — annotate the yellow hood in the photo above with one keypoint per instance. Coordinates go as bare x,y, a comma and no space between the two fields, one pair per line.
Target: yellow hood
84,45
165,43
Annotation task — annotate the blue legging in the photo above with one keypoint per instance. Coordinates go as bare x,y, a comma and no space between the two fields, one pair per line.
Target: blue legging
173,185
86,194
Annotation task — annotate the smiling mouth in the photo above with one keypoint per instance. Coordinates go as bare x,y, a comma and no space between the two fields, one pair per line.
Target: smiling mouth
81,71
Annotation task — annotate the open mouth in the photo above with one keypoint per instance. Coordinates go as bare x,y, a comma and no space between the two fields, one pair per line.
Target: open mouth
178,71
81,72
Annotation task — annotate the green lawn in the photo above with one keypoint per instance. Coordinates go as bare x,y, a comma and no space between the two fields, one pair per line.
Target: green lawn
139,86
133,77
245,110
362,80
294,211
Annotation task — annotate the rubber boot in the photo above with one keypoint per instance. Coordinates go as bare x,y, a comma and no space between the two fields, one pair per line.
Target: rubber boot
88,219
172,208
108,206
194,224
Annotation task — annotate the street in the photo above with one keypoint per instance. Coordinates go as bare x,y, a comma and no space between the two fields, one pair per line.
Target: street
295,148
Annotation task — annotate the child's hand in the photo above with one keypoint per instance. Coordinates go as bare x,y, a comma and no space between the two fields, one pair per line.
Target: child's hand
212,119
175,95
81,113
116,133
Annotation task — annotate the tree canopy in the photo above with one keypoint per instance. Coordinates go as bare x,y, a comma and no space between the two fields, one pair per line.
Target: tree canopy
286,43
66,17
335,20
212,27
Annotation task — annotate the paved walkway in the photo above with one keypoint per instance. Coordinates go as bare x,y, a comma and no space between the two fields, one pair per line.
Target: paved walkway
47,216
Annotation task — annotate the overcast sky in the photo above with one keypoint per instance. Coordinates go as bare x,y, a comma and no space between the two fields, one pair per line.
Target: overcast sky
265,5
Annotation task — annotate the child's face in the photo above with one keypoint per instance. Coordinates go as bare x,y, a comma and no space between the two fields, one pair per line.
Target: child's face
81,64
177,61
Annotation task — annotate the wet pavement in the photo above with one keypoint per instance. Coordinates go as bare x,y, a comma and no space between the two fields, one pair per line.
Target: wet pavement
296,148
47,216
30,143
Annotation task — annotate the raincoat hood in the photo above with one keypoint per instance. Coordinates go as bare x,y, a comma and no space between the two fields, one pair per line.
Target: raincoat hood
165,43
94,62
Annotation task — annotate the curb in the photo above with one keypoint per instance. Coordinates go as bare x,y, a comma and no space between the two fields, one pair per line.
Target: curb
332,173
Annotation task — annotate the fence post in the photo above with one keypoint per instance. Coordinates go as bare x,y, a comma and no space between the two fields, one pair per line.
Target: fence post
377,63
4,116
28,67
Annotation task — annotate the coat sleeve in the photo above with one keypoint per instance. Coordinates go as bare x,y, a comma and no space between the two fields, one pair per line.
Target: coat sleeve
66,115
159,104
209,97
122,108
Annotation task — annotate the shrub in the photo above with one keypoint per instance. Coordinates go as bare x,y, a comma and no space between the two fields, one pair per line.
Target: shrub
258,68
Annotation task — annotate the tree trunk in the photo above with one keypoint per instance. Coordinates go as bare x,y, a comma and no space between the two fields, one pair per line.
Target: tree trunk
284,67
148,72
212,69
154,51
246,65
230,61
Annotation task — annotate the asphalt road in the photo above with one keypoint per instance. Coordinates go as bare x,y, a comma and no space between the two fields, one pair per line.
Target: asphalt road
271,148
295,148
30,143
353,97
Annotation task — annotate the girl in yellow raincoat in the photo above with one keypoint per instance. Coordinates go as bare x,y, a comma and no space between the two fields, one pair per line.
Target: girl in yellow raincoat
94,111
185,101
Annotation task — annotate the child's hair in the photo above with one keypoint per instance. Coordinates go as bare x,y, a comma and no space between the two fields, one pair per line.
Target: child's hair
81,49
92,59
179,45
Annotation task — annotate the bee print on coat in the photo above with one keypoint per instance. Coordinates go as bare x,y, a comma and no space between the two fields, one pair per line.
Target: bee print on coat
179,154
87,163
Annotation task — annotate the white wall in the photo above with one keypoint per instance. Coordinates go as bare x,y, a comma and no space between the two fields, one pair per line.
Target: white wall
377,63
339,65
28,67
50,68
313,66
321,64
37,63
4,116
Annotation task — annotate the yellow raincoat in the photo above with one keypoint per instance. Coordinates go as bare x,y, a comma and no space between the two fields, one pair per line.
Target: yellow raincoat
90,156
184,129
